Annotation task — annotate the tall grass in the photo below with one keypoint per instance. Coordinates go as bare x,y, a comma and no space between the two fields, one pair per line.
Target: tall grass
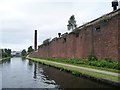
107,63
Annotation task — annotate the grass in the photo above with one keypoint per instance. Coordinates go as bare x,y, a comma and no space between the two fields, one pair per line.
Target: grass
107,65
77,70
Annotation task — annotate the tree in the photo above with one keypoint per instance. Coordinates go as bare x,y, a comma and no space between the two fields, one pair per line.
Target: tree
5,52
46,41
30,49
24,53
9,52
72,23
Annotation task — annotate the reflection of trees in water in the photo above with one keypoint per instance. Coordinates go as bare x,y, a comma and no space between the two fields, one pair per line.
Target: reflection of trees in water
7,61
30,62
23,59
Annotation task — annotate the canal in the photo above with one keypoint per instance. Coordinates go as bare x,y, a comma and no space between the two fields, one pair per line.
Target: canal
22,73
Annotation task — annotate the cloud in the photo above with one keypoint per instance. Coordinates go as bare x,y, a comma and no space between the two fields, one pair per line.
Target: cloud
19,18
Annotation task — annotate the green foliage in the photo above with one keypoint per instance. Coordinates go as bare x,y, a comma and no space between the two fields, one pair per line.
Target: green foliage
5,53
40,46
30,49
24,53
92,58
46,41
72,23
107,63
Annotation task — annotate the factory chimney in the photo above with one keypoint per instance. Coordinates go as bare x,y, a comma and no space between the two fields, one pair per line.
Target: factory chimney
35,40
114,4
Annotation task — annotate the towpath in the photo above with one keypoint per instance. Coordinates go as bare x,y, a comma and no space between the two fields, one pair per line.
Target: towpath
80,67
89,69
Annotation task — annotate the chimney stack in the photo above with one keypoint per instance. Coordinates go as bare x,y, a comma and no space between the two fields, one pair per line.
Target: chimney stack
35,40
59,34
114,4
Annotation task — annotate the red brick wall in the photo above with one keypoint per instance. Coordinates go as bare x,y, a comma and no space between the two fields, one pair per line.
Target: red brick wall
118,37
104,42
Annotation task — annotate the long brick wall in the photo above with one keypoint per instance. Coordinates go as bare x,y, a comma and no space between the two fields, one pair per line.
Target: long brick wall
100,37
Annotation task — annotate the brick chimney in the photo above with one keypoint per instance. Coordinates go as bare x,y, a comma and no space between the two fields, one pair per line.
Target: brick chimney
35,40
114,4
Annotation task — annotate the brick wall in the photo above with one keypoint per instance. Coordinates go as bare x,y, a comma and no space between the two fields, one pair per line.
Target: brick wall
101,38
119,36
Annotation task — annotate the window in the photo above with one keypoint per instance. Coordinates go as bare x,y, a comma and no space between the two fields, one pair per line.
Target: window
97,29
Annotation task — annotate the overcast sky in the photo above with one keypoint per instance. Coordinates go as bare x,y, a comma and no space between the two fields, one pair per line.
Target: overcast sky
19,19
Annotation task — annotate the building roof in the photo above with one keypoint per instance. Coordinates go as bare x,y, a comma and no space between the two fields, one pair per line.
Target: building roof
104,17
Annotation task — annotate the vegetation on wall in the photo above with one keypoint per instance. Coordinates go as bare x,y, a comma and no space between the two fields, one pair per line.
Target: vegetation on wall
92,57
46,41
40,46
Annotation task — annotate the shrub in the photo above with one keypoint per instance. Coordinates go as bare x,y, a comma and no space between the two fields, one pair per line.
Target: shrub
92,58
102,63
108,59
108,63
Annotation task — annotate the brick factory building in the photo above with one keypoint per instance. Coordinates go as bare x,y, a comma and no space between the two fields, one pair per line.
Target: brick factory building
100,37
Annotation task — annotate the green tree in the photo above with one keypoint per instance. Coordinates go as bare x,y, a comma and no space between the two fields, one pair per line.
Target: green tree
72,23
5,52
24,53
9,52
30,49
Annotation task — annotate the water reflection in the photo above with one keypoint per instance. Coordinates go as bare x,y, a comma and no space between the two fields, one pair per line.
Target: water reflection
23,58
23,73
0,76
7,61
66,80
30,62
35,67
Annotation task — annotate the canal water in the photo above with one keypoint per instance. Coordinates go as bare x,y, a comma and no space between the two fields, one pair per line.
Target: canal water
23,73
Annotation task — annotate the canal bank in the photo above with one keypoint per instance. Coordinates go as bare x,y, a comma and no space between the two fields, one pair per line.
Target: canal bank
3,59
23,73
96,75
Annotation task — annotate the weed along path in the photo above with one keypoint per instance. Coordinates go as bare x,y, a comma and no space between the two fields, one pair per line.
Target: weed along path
101,75
88,69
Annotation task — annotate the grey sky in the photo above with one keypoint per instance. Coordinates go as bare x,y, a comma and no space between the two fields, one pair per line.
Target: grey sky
19,18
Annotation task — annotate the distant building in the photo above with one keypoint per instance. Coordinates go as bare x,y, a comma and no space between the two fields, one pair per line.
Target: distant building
13,53
16,53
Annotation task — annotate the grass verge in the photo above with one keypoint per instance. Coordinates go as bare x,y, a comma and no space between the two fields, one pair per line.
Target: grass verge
107,65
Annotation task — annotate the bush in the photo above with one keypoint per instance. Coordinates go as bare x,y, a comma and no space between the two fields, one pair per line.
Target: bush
102,63
117,66
92,58
108,59
108,63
